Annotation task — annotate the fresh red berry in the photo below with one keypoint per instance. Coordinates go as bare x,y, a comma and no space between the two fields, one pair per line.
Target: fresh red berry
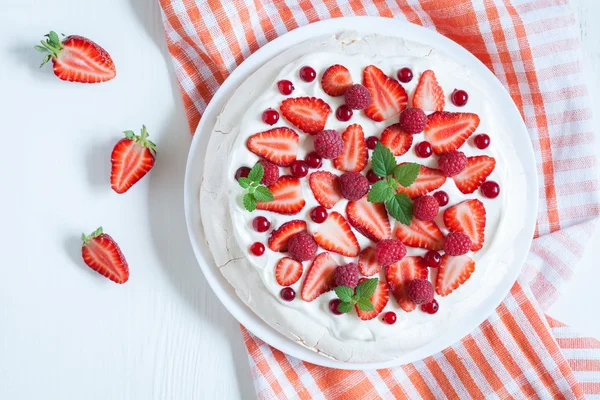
346,275
442,198
302,246
389,251
459,97
432,259
423,149
270,116
242,172
329,144
490,189
425,208
372,142
420,291
452,163
430,308
299,169
285,87
357,97
313,160
271,172
343,113
257,248
389,318
405,75
457,244
261,224
318,214
482,141
288,294
307,74
333,306
373,177
413,120
353,185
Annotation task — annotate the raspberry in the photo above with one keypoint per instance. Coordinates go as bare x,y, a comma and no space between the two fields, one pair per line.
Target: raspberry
389,251
452,163
413,120
353,185
420,291
302,246
347,275
425,208
457,244
357,97
329,144
271,172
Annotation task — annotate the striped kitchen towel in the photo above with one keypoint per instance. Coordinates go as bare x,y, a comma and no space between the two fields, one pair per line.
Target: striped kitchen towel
533,48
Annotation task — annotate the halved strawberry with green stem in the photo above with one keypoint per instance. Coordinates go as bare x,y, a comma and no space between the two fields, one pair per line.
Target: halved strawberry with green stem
379,299
77,59
131,159
400,274
468,217
102,254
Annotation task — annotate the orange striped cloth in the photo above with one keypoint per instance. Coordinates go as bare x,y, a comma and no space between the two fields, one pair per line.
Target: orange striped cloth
532,46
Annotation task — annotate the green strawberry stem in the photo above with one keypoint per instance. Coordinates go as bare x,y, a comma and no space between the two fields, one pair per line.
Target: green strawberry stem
87,238
52,46
142,139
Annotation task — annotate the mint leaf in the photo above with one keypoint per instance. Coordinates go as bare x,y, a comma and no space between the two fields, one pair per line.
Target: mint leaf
383,161
249,202
406,174
244,182
365,305
380,192
344,293
401,208
344,307
256,173
393,184
262,193
366,289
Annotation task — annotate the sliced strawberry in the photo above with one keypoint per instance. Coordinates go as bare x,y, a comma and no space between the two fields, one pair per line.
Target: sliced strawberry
454,271
367,262
475,173
278,145
429,95
468,217
131,159
400,274
370,219
428,180
396,139
423,234
288,197
319,278
325,187
336,80
379,300
279,237
102,254
355,155
447,131
288,271
336,235
308,114
388,97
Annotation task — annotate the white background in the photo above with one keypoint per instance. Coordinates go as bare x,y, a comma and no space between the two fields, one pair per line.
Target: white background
66,332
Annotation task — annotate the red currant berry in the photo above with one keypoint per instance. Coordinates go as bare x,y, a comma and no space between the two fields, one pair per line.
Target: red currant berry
490,189
307,74
318,214
389,318
299,169
405,75
459,97
343,113
257,248
442,198
423,149
288,294
482,141
261,224
373,177
432,259
313,160
430,308
333,306
285,87
372,142
242,172
270,116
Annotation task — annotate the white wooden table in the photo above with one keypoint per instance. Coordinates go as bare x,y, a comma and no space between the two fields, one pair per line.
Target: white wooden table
65,332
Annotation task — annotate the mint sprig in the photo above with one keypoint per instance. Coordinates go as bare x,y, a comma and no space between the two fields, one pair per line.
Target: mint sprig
256,191
361,296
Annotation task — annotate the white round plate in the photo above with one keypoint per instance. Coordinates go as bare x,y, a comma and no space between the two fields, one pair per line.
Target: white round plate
364,25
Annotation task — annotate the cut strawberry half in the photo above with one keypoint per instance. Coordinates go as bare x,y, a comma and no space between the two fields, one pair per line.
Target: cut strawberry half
325,187
428,180
429,95
355,155
279,238
475,173
454,271
422,234
379,299
288,271
400,274
447,131
102,254
131,159
278,145
309,114
287,193
396,139
468,217
336,80
388,97
370,219
367,262
336,235
319,278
